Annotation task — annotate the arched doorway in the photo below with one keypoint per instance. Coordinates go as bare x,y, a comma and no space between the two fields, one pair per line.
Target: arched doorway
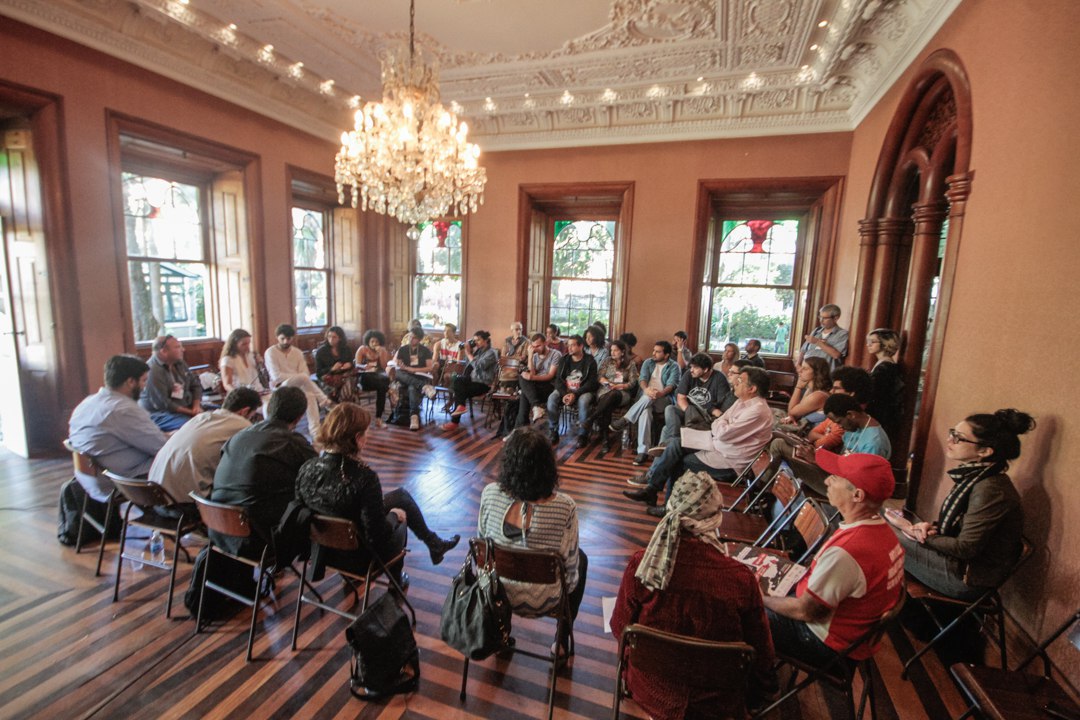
910,237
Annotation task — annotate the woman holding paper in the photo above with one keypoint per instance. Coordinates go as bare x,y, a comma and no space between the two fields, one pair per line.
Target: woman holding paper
684,583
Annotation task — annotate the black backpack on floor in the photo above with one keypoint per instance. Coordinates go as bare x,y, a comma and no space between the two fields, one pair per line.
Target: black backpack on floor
71,503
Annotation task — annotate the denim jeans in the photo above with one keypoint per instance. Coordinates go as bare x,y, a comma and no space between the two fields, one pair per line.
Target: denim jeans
555,405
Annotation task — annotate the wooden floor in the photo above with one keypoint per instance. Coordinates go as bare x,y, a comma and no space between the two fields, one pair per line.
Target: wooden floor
68,651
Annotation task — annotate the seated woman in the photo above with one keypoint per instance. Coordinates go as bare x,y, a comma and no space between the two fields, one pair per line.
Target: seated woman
371,358
340,484
238,365
728,358
334,366
685,583
977,536
887,381
524,509
618,386
810,393
596,344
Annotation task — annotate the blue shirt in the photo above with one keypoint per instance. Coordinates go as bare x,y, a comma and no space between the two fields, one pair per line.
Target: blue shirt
871,440
112,428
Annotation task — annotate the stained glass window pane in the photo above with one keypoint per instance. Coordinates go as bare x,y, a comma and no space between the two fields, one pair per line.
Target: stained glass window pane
309,240
583,249
162,218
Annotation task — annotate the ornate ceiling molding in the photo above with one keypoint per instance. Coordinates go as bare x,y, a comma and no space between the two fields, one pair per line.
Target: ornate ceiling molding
658,70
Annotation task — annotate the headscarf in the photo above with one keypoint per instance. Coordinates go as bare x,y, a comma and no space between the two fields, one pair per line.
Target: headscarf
695,506
954,507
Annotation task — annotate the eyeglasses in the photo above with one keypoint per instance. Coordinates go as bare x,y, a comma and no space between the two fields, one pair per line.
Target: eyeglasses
955,437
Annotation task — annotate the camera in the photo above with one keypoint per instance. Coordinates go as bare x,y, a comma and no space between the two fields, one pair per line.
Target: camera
472,343
461,345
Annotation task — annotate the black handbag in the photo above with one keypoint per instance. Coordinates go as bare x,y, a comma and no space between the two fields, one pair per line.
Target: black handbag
385,658
476,613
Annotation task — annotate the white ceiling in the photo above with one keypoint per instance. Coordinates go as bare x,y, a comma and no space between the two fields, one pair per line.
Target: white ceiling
528,73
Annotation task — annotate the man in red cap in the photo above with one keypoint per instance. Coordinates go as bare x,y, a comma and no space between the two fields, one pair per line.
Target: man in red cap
857,575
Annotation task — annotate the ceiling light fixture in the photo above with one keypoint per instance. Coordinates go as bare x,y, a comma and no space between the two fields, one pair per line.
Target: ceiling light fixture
407,156
823,23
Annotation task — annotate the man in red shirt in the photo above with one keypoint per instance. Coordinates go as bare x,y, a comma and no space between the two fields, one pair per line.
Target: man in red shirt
857,575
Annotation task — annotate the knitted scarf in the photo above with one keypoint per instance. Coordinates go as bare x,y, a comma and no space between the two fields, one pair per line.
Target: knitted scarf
694,506
965,476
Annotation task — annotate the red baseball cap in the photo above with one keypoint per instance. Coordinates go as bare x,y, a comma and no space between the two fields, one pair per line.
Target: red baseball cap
870,473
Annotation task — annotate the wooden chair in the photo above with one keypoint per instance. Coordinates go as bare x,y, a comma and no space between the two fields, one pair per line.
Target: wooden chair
231,520
543,567
499,396
342,535
720,667
840,672
999,694
145,496
91,478
444,392
988,606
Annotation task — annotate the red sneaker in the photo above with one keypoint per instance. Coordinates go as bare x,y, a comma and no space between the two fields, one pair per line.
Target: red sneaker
459,411
448,426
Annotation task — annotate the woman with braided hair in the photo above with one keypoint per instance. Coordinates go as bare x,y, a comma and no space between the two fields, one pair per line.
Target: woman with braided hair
976,539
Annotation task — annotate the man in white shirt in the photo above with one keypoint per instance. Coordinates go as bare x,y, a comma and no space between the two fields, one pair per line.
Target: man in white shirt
288,368
737,437
189,459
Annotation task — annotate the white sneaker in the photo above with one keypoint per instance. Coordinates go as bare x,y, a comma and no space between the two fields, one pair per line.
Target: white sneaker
429,391
538,413
414,422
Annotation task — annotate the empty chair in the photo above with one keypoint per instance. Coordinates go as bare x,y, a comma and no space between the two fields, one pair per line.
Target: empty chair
232,521
999,694
340,534
741,526
91,478
145,496
718,667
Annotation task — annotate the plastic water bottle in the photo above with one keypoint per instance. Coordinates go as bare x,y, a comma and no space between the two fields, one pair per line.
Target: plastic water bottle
156,547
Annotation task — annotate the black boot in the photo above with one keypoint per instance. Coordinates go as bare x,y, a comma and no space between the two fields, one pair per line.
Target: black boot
646,495
439,547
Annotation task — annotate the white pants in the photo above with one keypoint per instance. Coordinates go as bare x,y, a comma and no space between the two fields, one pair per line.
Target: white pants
315,397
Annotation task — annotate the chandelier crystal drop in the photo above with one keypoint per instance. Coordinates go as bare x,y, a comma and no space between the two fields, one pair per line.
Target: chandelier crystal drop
408,156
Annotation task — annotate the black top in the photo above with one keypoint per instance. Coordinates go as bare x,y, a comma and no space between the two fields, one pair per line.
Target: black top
258,470
326,359
407,360
577,376
335,485
706,394
886,397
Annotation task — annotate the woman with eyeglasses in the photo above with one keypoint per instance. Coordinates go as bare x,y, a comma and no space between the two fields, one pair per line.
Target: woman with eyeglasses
977,537
887,381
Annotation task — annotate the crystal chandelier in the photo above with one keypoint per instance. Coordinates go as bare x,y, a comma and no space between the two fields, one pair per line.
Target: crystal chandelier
407,156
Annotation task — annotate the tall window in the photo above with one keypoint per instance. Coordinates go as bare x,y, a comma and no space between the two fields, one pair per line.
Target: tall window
311,273
582,267
749,287
437,296
167,252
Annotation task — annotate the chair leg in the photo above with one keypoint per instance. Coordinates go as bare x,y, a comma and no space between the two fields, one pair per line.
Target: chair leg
1000,615
299,602
104,528
464,679
202,587
255,606
172,570
82,523
120,555
867,673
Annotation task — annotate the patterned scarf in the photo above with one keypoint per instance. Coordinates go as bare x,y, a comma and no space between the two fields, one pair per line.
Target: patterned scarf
965,476
694,506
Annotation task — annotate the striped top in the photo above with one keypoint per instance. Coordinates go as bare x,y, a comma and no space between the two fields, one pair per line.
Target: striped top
554,526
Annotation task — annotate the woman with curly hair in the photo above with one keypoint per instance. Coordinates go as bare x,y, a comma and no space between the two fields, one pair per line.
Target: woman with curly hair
334,366
977,537
341,484
525,509
371,358
810,392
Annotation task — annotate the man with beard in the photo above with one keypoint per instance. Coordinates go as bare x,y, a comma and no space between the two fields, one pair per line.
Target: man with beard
110,426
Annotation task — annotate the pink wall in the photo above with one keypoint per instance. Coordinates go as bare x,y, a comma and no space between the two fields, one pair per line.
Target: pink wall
1009,339
666,177
91,83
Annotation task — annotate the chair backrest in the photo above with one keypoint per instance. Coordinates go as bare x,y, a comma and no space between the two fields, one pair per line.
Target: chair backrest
142,493
89,474
872,636
335,533
1026,550
812,525
222,518
723,667
541,567
785,487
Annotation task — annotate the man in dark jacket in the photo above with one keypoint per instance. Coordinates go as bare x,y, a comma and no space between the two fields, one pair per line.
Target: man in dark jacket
258,470
576,381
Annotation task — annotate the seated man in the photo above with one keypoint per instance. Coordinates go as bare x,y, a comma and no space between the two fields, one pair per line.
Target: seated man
287,368
658,380
753,347
110,426
576,379
189,459
737,437
685,583
697,400
173,394
478,376
535,381
414,368
258,470
856,577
